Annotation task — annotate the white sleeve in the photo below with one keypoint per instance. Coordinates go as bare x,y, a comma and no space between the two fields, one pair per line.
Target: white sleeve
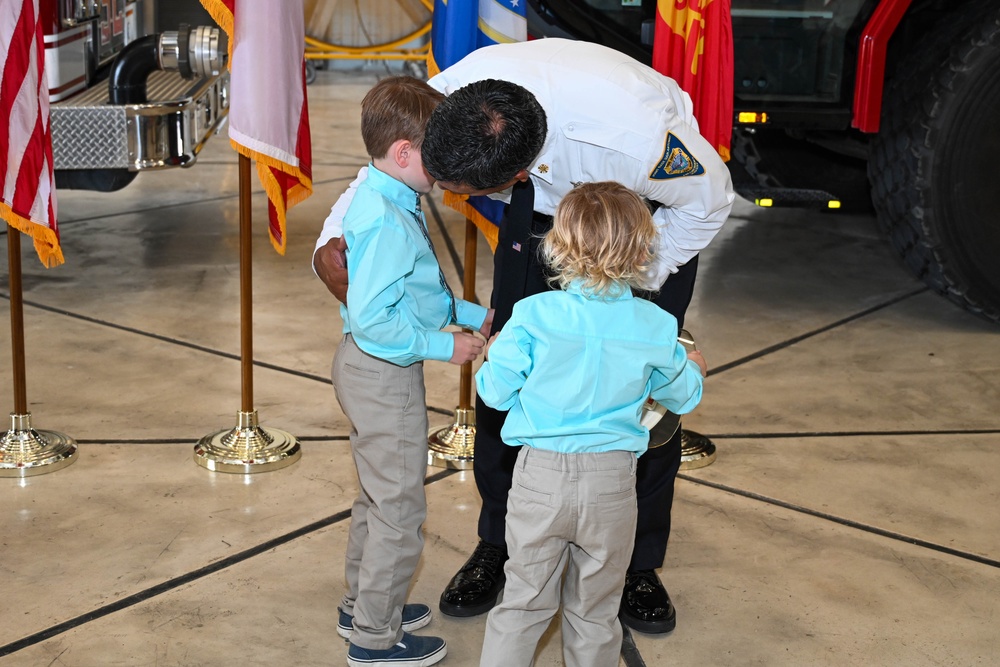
333,226
683,234
692,210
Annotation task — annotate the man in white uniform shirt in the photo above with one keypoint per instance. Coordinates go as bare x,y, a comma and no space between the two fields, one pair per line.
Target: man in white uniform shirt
524,123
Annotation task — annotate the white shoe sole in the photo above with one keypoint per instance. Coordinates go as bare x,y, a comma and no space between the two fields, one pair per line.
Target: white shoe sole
421,622
427,660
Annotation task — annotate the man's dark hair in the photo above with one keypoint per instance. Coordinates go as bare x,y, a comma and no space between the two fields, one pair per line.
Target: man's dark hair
483,134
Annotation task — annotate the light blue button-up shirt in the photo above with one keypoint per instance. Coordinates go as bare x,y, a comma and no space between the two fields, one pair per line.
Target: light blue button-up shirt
574,371
397,303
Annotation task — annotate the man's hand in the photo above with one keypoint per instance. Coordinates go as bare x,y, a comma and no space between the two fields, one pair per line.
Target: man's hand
330,263
487,324
489,344
467,348
695,356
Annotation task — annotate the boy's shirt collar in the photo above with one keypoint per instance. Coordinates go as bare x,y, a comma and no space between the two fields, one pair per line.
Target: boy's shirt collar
620,294
395,190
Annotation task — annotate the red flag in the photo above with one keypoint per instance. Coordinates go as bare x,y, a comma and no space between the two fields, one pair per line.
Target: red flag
268,114
29,197
693,45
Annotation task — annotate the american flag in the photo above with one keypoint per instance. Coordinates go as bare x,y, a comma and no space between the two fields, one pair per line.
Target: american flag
29,197
268,114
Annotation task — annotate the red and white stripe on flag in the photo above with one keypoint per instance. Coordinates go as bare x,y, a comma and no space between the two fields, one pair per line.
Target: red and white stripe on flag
29,197
268,114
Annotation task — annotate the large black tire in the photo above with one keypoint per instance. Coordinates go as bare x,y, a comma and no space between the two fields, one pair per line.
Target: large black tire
933,166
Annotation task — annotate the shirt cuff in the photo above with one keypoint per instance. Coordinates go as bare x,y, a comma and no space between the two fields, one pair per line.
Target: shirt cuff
469,314
440,345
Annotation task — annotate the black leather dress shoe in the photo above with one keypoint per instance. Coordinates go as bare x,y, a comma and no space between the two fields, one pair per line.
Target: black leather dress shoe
475,588
646,607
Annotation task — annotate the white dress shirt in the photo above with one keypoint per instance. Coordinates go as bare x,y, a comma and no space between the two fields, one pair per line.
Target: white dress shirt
610,118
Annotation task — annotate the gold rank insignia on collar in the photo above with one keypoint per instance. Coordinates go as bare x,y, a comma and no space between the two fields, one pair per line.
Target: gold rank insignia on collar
543,169
676,161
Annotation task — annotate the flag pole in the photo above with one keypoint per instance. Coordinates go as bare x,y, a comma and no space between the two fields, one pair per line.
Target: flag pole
25,451
454,446
247,448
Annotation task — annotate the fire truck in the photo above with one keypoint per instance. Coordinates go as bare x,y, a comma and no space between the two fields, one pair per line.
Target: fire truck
124,98
883,105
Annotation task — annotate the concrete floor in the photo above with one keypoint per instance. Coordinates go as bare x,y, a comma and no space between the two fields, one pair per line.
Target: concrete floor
851,517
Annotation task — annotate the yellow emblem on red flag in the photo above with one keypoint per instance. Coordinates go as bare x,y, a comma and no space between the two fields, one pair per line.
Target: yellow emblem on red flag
693,45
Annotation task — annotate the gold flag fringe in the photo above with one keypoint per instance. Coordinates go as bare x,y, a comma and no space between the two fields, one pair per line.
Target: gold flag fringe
46,241
220,14
297,194
461,204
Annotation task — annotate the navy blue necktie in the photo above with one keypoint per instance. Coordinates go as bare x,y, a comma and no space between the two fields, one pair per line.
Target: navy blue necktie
418,215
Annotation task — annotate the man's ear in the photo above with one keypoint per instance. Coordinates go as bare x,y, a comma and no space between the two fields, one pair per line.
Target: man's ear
401,152
522,175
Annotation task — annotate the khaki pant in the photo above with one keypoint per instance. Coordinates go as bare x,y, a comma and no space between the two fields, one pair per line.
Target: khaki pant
571,514
388,413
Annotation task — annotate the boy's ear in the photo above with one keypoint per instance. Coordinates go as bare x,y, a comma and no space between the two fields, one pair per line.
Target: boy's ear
400,152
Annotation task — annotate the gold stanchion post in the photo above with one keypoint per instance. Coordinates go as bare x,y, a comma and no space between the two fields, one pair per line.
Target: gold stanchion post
25,451
247,448
454,446
697,451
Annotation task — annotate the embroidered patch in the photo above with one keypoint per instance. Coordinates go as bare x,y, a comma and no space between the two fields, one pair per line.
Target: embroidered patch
676,161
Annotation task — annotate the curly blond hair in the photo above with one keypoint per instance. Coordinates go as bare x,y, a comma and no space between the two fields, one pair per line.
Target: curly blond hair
602,235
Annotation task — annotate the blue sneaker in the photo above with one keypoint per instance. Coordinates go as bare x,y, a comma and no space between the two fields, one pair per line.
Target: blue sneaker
415,616
412,651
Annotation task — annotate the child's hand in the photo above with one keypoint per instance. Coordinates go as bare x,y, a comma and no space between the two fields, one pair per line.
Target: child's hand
467,348
695,356
487,324
489,343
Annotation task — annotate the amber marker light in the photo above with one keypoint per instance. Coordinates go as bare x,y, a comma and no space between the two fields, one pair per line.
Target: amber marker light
751,117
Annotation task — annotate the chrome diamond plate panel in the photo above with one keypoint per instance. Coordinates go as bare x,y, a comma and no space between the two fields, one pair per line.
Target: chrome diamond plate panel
89,138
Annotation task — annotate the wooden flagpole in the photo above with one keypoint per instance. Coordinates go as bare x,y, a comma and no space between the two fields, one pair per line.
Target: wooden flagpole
25,451
247,448
454,446
469,294
17,319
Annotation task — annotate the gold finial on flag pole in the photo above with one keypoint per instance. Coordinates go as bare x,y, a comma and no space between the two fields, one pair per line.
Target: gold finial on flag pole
247,448
454,446
25,451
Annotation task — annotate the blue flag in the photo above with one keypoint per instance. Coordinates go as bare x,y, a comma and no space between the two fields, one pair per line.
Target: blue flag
458,28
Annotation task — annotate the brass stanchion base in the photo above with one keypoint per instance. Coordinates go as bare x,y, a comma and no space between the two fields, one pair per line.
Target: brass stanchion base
454,446
25,452
697,451
248,448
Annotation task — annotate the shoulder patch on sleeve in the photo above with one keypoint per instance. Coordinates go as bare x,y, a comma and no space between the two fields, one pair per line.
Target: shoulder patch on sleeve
676,161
